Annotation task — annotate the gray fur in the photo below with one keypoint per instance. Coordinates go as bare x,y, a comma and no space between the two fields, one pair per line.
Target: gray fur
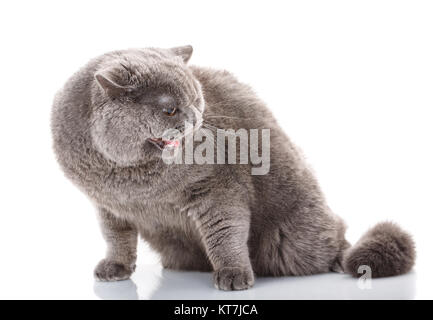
198,217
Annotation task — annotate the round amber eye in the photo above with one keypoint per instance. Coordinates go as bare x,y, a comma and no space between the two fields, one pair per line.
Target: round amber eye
170,111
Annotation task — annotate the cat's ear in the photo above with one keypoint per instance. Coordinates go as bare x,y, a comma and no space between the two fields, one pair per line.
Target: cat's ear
185,52
110,82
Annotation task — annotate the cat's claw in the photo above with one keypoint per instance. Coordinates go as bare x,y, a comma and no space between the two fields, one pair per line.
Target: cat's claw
108,270
233,278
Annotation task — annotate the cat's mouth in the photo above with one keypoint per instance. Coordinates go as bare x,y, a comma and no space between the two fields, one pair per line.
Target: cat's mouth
162,143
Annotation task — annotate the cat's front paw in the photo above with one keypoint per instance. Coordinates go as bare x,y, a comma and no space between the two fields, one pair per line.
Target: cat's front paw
108,270
233,278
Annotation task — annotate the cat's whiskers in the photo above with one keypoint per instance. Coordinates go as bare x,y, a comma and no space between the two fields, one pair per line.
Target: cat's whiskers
215,129
229,117
210,127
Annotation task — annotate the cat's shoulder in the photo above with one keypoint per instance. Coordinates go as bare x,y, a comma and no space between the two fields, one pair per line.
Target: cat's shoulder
221,83
210,76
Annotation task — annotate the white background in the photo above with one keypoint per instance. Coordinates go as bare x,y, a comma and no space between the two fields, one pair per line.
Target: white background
349,81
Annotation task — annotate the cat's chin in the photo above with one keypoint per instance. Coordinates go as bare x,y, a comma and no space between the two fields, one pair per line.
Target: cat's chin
147,153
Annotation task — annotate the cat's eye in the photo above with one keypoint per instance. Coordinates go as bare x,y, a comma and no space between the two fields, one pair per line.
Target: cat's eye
170,111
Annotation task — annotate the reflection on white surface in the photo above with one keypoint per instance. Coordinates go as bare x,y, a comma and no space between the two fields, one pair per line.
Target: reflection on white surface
120,290
151,282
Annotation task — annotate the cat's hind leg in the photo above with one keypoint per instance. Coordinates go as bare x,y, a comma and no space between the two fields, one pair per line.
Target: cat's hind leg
300,249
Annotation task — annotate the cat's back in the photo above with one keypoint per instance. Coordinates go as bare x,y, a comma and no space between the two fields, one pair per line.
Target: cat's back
231,103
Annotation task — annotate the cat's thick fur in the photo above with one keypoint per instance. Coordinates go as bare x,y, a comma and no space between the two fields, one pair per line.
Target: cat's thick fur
206,217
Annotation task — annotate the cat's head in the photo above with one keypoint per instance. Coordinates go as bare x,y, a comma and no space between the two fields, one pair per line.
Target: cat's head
138,97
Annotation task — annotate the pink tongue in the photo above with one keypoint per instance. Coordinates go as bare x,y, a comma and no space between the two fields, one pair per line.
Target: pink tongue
173,143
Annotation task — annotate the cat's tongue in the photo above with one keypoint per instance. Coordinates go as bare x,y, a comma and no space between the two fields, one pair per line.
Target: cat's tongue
161,143
172,143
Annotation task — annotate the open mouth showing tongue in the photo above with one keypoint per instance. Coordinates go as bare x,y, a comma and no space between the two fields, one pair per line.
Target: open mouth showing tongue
161,143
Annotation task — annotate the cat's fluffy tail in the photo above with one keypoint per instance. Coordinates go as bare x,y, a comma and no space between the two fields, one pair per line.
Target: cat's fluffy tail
386,249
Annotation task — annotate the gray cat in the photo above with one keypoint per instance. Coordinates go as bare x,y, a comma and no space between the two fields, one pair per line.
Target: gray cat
108,124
